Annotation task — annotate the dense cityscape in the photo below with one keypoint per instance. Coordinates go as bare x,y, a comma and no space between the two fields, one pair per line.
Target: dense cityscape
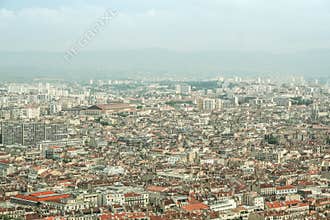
164,110
218,149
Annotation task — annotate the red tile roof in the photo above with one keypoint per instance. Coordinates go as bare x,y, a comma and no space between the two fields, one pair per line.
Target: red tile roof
132,194
42,196
285,187
42,193
195,207
157,188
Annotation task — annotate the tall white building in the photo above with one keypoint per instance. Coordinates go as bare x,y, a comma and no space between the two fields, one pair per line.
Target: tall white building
209,104
183,89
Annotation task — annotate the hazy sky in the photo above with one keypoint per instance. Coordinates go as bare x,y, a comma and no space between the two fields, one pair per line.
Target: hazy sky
246,25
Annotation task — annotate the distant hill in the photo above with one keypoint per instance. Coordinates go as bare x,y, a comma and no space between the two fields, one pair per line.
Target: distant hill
157,62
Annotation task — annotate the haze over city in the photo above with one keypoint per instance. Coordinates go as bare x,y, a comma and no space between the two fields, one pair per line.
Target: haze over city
166,37
164,110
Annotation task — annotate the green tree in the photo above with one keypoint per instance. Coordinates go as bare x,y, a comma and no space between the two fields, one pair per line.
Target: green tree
271,139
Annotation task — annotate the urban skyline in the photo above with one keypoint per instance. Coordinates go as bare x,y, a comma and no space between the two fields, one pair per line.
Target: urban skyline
164,110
